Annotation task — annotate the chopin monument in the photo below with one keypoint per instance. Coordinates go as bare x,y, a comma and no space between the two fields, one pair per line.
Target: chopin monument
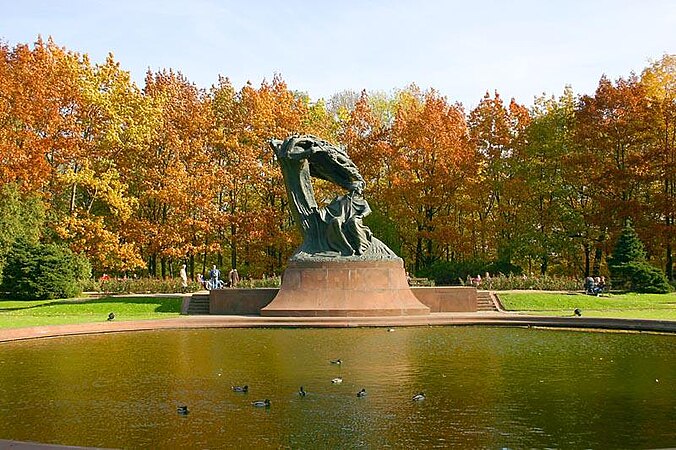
340,269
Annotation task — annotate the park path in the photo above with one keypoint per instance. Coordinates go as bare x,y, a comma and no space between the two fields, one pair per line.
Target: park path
434,319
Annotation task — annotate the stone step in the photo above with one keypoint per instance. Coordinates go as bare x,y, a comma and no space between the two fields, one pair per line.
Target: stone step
199,304
485,302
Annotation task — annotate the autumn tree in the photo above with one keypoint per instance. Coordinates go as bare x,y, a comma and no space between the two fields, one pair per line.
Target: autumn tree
431,156
38,88
659,81
253,218
613,141
551,216
498,133
110,124
167,176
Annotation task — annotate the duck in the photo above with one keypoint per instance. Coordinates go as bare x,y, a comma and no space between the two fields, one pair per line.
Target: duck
111,316
336,361
337,380
389,330
261,403
577,312
361,393
418,397
244,388
302,392
182,410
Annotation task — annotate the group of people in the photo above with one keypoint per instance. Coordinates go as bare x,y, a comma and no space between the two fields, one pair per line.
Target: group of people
594,285
476,281
214,281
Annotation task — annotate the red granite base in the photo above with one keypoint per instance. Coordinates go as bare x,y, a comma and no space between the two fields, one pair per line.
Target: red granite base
345,289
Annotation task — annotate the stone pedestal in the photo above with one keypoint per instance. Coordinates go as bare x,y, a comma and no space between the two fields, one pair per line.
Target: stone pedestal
345,289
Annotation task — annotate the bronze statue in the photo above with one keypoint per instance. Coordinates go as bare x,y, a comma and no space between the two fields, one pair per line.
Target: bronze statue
336,230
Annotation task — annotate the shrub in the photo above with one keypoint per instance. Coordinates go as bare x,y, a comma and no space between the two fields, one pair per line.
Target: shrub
540,283
629,269
43,271
644,278
268,282
140,286
446,273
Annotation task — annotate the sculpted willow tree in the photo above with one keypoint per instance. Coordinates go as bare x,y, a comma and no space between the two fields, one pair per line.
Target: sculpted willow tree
337,229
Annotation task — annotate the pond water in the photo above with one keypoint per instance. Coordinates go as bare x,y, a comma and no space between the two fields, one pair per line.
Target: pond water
485,387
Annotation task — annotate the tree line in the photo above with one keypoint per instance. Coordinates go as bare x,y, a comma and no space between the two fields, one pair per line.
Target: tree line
144,179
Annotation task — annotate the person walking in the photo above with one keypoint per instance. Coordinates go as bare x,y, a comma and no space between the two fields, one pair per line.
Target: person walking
234,277
214,275
184,278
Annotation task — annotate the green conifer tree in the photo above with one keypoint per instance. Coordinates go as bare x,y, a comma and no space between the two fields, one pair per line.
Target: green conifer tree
42,271
629,268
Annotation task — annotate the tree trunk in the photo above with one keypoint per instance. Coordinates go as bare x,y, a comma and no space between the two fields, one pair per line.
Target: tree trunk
152,266
418,255
204,259
587,258
544,264
669,269
598,255
233,246
73,195
163,266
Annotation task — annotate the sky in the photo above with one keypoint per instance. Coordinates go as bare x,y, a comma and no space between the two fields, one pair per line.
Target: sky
519,48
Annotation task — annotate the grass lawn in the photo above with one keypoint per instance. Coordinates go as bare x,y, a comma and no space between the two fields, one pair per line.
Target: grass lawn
628,306
17,314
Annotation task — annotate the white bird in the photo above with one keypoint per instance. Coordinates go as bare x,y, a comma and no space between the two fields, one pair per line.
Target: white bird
337,380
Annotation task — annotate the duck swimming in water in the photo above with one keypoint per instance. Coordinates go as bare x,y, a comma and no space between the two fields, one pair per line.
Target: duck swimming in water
182,410
244,388
337,380
361,393
261,403
302,392
419,397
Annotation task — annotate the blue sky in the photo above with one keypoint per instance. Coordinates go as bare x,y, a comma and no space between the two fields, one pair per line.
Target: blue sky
521,48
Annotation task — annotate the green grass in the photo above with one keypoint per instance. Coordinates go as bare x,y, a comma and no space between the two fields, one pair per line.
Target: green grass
630,305
17,314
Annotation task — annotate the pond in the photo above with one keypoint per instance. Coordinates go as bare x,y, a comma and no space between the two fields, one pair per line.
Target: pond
484,387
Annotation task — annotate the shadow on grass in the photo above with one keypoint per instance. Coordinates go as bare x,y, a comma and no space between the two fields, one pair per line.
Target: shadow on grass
164,304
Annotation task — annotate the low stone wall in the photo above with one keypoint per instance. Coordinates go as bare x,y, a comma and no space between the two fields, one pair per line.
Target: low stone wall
447,298
251,301
240,301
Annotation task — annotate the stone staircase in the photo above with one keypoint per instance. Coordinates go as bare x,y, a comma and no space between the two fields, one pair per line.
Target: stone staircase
485,302
199,304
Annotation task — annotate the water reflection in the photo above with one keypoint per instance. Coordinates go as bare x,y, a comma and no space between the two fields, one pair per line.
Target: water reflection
485,388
